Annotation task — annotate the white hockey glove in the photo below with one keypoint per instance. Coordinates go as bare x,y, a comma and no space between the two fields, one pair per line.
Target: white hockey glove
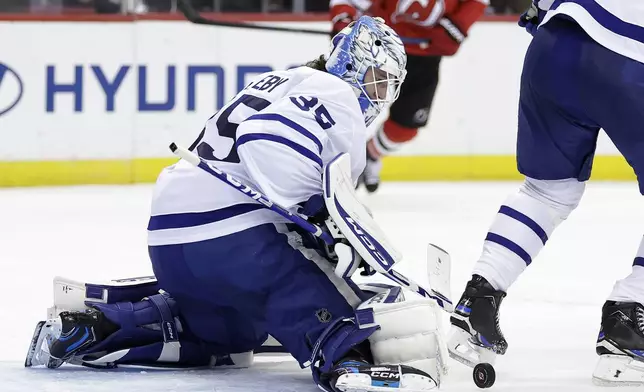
349,261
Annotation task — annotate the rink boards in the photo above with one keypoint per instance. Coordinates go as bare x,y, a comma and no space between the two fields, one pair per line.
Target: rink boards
97,102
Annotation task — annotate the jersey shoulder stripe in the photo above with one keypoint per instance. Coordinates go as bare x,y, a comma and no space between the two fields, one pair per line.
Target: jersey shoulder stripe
281,140
289,123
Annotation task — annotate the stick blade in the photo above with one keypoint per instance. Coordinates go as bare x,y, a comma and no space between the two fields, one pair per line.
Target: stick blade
439,270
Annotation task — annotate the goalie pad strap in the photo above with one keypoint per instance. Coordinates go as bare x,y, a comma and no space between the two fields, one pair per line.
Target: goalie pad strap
168,325
337,340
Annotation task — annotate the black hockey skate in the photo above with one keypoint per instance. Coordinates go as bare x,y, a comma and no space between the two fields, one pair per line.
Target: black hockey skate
620,345
79,331
476,336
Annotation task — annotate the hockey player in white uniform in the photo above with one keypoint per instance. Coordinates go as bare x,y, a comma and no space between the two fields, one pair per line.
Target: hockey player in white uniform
234,272
584,70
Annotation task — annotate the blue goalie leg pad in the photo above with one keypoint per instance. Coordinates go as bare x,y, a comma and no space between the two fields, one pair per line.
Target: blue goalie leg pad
148,333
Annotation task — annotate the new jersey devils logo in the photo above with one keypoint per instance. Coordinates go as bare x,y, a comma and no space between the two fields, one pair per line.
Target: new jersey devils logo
420,12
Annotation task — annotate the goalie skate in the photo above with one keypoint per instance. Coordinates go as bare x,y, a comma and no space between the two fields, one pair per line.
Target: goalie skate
357,376
56,341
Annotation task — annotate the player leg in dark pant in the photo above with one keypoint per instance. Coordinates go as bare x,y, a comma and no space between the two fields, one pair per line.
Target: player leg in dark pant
406,115
235,289
595,86
619,84
570,88
557,133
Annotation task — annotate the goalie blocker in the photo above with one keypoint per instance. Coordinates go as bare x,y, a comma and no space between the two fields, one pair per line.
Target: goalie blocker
350,220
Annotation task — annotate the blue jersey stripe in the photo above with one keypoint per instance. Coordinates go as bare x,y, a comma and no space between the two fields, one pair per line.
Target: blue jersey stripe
511,246
607,20
191,219
282,140
526,220
289,123
639,261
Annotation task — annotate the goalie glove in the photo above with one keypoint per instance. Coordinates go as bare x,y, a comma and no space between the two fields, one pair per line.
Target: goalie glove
346,259
349,261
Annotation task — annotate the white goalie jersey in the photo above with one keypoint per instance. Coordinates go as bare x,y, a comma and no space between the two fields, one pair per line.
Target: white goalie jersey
276,135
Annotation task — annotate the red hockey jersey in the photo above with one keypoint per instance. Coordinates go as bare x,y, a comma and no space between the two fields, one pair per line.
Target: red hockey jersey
427,27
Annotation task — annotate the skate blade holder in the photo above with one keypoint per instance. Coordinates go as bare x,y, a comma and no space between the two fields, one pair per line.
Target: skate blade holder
44,333
618,370
462,349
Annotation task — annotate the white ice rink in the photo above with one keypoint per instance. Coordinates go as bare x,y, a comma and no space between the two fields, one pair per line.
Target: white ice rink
550,317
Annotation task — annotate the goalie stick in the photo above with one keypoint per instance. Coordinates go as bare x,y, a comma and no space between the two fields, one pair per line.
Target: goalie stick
439,264
195,17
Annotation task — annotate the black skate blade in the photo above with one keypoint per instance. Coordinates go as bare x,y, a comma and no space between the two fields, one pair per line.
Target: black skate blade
33,345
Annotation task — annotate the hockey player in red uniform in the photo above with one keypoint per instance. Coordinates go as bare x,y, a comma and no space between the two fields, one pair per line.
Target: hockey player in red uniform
430,29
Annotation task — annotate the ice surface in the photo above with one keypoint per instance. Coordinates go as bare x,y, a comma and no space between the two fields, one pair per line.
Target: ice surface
550,318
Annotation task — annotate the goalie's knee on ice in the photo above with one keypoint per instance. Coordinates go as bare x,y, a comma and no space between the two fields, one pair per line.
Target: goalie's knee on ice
154,319
127,315
150,332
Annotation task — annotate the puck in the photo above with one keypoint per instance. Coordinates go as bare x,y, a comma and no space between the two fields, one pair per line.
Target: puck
484,375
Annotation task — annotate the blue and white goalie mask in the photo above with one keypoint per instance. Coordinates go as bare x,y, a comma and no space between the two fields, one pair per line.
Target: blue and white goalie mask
370,56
